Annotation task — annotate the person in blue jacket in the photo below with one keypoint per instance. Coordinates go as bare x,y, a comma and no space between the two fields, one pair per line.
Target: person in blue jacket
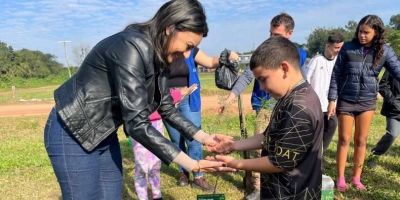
353,92
281,25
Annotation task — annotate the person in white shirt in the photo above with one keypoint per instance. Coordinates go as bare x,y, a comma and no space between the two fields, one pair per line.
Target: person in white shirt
318,74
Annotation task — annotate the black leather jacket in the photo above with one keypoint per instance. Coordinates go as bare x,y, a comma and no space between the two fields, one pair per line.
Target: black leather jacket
118,83
389,88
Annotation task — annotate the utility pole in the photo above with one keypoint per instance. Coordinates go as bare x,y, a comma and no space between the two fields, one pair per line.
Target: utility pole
65,54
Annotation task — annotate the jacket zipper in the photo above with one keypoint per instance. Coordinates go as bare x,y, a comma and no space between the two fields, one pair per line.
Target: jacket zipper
161,93
362,71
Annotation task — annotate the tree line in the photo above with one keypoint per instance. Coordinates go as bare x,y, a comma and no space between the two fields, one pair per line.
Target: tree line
317,39
26,63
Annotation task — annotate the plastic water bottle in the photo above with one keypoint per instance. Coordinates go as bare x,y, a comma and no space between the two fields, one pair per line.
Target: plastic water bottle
328,187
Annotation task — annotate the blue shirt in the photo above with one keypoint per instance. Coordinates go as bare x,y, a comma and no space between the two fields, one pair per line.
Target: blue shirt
194,98
258,96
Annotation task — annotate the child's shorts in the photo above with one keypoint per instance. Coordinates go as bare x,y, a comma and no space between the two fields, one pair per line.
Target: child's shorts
354,108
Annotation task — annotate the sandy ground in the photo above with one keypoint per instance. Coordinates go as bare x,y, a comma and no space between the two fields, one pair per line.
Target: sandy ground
210,105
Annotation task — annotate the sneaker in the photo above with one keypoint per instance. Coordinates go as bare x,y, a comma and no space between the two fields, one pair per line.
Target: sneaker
372,161
183,179
202,184
254,195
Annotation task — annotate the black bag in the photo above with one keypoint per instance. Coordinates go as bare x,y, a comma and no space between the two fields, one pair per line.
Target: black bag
226,73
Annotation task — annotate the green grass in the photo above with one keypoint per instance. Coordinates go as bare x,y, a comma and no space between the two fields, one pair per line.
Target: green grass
26,173
37,94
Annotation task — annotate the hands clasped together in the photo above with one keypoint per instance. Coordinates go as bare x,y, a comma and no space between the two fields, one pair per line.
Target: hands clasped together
221,144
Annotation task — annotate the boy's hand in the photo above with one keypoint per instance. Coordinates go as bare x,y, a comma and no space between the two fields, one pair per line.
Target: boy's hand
223,144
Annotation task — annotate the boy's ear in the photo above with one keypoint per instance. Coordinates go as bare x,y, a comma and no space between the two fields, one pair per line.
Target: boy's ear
285,66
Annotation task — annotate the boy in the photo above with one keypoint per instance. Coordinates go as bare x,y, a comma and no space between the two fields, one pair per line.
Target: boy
319,72
290,162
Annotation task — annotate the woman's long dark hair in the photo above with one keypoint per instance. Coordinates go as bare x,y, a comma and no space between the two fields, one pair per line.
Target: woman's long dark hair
179,15
379,40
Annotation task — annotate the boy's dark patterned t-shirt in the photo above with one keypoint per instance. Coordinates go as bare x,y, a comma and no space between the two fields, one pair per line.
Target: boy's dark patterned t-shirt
293,143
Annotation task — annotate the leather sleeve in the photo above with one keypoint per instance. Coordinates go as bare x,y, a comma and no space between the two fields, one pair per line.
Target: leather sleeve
171,115
129,78
384,87
392,62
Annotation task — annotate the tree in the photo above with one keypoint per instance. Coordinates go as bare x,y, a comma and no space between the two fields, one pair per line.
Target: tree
7,57
317,39
395,21
394,40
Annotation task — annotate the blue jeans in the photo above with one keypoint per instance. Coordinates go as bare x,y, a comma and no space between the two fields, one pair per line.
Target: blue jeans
392,131
81,174
192,148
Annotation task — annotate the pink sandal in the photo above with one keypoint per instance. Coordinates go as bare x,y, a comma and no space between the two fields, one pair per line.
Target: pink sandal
341,185
357,183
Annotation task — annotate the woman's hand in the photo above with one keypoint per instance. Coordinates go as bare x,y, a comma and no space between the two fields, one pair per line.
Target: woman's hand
331,109
211,166
229,161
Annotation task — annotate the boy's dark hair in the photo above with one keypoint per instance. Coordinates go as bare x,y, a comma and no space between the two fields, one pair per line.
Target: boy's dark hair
283,19
273,51
335,37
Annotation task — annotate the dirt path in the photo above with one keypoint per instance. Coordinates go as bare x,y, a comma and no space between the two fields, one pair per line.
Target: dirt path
209,103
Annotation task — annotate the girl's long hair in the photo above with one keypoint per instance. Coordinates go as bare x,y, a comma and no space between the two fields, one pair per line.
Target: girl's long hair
379,40
178,15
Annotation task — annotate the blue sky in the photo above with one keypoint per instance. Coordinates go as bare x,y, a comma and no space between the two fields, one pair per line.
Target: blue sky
238,25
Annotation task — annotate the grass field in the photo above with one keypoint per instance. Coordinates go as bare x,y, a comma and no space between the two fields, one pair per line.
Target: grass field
26,173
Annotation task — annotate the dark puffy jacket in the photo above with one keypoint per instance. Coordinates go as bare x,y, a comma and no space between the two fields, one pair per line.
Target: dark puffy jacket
354,78
118,83
389,88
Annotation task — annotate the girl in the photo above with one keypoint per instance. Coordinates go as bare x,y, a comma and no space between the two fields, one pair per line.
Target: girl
353,91
147,165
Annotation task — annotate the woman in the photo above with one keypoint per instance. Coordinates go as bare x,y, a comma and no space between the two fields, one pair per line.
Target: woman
353,92
183,77
122,81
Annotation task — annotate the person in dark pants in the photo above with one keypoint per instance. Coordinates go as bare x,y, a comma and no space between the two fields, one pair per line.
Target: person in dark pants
389,88
318,74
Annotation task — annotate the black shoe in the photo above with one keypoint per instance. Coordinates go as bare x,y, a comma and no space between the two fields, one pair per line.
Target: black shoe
202,184
254,195
372,161
183,179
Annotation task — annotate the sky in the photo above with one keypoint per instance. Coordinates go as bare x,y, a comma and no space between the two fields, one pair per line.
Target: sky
239,25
